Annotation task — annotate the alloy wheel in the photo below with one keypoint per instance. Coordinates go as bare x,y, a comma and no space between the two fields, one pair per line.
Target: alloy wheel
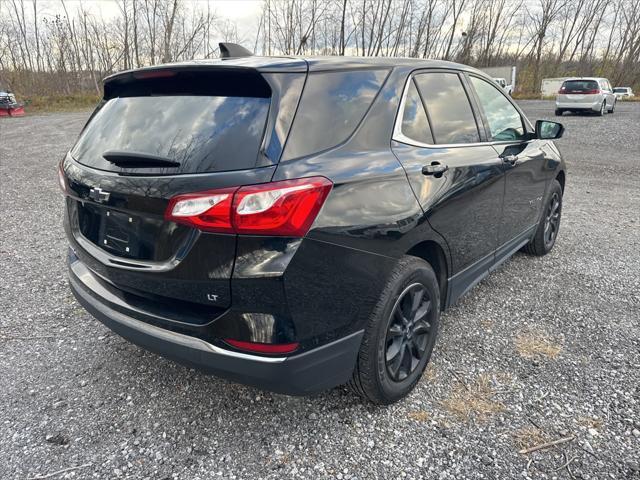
408,332
552,220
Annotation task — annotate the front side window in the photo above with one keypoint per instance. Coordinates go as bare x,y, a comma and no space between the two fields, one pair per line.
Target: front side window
448,106
415,124
504,120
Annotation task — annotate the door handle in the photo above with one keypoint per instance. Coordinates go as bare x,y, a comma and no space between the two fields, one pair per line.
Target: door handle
434,169
510,159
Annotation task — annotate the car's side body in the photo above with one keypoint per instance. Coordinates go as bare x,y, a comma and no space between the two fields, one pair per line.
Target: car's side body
320,290
585,94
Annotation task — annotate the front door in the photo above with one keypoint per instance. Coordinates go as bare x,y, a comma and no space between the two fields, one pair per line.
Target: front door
523,162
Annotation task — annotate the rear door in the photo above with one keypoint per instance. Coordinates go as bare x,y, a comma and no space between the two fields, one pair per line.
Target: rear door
523,160
457,178
162,133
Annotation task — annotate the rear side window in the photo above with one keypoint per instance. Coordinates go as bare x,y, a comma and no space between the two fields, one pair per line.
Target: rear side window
448,108
415,124
579,86
504,120
332,106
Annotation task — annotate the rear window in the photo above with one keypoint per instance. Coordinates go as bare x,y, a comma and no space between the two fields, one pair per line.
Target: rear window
620,90
202,134
577,86
332,106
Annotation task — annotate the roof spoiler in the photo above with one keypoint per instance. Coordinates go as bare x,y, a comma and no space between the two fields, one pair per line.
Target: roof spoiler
233,50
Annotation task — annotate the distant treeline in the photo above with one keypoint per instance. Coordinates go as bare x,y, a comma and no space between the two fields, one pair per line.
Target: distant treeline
70,52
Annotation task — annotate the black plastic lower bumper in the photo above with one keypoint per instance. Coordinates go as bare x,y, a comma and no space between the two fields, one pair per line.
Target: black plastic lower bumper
313,371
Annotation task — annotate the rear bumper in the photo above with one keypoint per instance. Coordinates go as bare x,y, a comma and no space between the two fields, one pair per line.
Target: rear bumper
309,372
593,106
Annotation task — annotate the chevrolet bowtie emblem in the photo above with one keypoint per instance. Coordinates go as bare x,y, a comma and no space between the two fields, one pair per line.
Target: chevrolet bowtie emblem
99,195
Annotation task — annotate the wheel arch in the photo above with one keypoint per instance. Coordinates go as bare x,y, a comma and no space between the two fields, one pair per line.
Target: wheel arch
432,252
560,177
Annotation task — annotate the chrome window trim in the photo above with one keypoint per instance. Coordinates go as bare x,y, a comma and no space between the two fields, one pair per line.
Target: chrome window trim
398,136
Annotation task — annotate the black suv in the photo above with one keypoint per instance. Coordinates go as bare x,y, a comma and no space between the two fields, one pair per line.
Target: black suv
300,223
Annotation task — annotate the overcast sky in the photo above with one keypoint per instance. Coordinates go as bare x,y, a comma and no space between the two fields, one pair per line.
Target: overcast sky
232,9
245,13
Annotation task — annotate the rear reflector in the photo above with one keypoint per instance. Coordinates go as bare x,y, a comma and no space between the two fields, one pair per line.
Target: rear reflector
285,208
271,348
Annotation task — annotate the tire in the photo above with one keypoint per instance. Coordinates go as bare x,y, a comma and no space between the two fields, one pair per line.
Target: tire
375,376
613,107
603,109
559,112
544,240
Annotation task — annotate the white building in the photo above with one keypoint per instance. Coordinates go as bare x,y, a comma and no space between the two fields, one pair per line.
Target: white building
550,86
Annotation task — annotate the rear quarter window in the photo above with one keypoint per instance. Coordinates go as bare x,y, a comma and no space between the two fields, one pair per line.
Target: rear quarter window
332,106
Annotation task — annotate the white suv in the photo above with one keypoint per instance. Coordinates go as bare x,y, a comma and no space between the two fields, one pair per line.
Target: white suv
585,94
623,92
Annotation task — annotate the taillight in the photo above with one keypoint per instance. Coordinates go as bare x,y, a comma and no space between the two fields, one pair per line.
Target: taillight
284,208
269,348
210,211
592,92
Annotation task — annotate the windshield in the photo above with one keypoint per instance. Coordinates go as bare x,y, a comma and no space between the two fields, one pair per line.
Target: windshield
201,133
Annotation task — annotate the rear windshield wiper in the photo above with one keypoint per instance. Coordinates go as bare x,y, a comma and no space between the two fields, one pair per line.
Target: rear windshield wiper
137,159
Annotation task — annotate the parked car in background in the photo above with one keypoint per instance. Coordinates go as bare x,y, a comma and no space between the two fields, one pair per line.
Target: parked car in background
503,84
586,94
623,92
9,107
300,223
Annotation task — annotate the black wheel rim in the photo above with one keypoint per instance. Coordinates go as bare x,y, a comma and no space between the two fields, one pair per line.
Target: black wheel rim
408,332
552,220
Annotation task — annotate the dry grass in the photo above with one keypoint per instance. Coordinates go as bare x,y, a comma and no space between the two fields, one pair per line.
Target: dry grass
531,345
473,400
528,437
590,422
531,96
419,416
60,103
430,373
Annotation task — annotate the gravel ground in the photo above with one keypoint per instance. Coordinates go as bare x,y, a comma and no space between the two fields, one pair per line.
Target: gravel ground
544,349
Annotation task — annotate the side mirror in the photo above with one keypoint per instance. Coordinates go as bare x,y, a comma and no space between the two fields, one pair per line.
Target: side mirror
546,130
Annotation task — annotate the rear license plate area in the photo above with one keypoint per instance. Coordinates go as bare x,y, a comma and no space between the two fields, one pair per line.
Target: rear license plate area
120,233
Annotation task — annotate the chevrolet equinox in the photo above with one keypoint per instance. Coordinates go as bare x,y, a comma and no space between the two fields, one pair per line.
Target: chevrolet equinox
301,223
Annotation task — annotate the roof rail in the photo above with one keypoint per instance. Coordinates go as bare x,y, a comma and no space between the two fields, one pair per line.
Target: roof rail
233,50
